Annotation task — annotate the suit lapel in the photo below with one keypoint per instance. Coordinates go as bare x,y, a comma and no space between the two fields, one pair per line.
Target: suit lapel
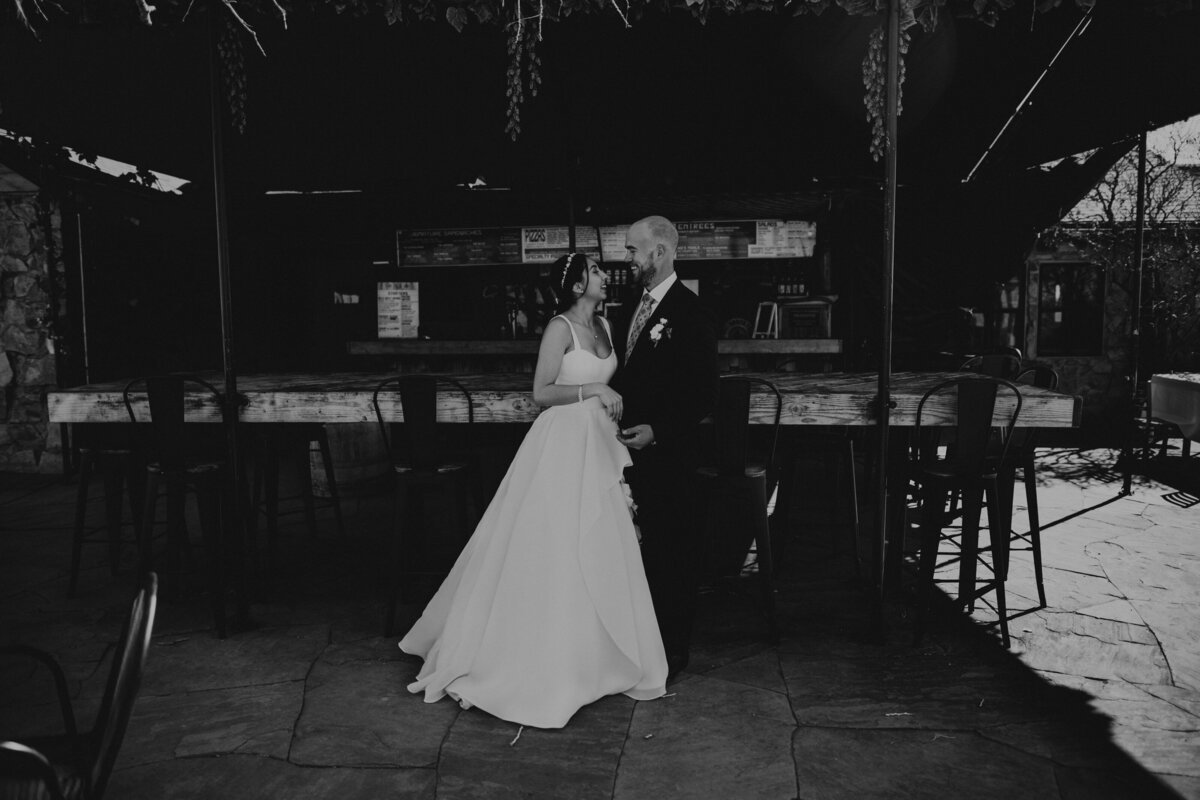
661,311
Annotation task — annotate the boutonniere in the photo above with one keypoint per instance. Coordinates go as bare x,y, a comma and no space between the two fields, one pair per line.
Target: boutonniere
659,331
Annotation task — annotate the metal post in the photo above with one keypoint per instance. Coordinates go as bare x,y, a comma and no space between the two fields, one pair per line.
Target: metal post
884,400
1136,333
83,315
236,517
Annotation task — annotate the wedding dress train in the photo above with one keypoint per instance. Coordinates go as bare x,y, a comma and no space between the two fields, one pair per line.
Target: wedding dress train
547,608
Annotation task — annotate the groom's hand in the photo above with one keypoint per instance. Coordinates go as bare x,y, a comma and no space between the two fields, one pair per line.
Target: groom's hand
636,437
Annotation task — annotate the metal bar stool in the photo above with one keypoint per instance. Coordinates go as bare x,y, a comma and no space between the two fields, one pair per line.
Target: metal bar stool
421,460
290,443
736,482
109,454
1023,455
976,467
174,469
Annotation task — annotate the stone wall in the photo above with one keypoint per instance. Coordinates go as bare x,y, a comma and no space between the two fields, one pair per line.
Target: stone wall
31,282
1102,380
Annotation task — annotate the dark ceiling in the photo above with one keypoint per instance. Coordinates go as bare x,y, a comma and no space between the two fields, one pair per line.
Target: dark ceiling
744,104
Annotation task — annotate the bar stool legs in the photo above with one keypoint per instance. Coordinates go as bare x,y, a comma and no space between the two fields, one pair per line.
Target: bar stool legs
406,550
1029,478
934,501
291,443
118,472
208,487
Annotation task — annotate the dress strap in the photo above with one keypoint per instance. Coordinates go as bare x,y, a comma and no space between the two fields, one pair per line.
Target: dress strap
571,327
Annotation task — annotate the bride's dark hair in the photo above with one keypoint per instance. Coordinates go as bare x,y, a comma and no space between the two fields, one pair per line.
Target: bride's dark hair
565,273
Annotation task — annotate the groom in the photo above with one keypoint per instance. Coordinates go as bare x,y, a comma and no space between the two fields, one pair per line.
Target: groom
669,384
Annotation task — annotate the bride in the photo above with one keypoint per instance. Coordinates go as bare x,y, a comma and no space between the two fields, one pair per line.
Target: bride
547,608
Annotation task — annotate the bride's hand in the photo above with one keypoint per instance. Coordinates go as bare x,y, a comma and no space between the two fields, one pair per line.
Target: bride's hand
612,402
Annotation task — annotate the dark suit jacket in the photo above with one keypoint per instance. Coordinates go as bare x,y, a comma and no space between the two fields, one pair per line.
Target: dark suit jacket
671,383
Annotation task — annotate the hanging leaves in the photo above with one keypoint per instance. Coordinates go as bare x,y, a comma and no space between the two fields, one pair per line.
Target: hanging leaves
232,59
524,20
524,69
875,82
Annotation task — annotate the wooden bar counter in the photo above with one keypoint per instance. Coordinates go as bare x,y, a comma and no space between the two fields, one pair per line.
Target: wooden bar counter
809,399
516,347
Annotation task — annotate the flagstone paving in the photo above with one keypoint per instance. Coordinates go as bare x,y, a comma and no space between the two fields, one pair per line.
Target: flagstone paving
1098,696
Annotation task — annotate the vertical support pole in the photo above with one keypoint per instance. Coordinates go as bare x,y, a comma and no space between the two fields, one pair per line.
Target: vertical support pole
884,399
235,516
1135,345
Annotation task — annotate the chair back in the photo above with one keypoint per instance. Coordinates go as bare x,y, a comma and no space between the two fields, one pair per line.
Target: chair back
124,680
978,443
732,428
1039,375
1044,377
997,365
163,439
416,442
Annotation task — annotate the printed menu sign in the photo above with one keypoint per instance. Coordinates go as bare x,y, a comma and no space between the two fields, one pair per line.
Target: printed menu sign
399,310
458,246
546,244
751,238
698,241
775,238
727,239
612,243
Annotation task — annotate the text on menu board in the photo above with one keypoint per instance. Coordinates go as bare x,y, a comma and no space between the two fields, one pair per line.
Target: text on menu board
456,247
698,240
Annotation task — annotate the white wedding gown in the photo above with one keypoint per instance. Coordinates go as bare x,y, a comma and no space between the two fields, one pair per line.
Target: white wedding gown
547,608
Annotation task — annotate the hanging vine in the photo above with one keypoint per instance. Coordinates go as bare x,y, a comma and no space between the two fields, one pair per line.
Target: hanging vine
874,70
524,66
232,59
524,20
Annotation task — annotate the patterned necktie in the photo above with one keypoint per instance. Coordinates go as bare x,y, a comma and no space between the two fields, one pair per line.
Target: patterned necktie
639,322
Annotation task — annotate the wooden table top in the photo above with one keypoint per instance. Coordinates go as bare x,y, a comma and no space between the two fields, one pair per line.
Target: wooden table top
529,347
808,399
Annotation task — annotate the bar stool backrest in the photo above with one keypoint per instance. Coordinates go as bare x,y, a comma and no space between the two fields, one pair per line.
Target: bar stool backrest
997,365
1043,377
1039,375
978,444
733,427
164,438
416,442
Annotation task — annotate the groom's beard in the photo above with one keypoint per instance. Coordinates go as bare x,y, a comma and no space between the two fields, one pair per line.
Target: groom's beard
646,275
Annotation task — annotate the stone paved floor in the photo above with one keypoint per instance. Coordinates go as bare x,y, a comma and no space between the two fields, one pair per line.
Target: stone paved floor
1099,696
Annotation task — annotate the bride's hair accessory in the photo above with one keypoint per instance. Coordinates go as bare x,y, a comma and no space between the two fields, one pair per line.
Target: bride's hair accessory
566,268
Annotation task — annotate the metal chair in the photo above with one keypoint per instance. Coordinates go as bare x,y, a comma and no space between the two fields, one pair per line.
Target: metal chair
74,765
735,482
290,442
173,465
1023,455
977,468
997,365
420,460
105,451
834,446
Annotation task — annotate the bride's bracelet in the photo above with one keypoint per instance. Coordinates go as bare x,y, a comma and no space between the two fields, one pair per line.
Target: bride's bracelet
581,392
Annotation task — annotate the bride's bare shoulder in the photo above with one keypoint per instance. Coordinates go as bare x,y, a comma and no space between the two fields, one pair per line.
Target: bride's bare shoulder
558,334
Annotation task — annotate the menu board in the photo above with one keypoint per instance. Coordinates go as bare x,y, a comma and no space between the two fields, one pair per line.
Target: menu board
458,246
399,310
612,243
747,238
698,241
548,243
